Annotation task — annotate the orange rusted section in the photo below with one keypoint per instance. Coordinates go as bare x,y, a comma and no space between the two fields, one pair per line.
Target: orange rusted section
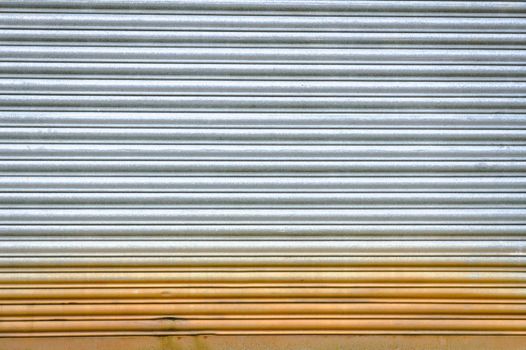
405,301
268,310
175,294
283,301
174,325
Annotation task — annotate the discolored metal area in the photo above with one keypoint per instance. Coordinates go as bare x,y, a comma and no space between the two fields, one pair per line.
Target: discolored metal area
186,174
242,342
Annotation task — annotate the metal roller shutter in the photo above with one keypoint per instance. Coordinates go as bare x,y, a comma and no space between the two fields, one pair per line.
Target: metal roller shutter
262,167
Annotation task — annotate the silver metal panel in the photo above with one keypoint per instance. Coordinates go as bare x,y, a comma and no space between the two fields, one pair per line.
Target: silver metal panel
268,167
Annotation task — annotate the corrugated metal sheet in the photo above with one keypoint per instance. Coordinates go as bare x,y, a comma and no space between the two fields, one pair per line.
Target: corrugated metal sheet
262,167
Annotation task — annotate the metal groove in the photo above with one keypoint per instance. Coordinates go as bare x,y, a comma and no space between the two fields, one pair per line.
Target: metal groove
261,184
257,22
481,8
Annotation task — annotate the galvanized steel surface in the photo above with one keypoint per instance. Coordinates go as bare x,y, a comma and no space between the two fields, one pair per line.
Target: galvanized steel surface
262,167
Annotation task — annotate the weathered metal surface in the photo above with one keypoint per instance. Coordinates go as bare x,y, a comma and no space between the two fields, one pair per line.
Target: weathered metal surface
180,168
243,342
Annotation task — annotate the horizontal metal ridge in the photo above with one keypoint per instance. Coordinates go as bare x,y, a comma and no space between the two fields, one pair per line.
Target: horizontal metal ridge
260,71
341,136
16,263
263,326
261,55
262,152
271,278
231,231
262,216
480,167
217,103
101,295
286,120
265,39
262,200
258,88
260,184
420,8
248,248
298,265
259,22
277,318
277,309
